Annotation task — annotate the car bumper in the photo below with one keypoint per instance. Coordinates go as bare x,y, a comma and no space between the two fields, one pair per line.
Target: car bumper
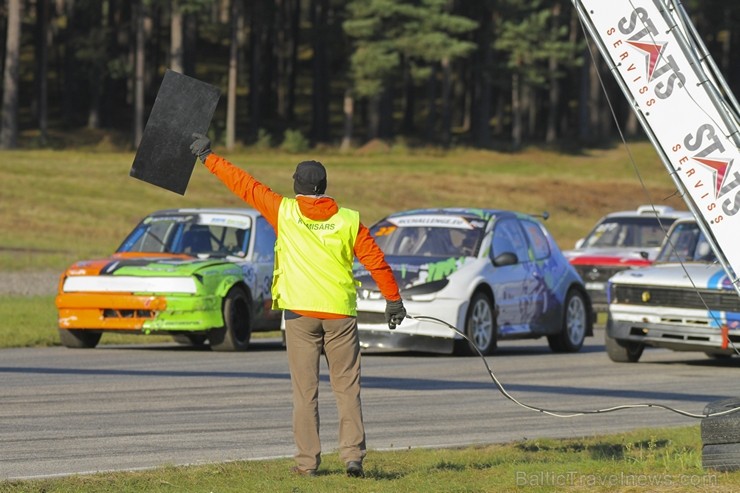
412,333
141,313
679,330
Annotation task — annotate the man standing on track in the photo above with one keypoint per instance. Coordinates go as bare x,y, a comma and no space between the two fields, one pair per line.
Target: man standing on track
317,242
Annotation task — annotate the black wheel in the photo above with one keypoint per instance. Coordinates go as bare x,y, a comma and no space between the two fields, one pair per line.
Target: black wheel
576,321
79,338
724,457
623,351
480,326
722,429
190,339
237,329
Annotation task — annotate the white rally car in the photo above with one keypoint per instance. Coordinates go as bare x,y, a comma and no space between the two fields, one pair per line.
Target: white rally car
493,274
685,301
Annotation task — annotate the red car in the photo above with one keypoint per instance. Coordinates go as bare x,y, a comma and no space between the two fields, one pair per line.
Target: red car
619,241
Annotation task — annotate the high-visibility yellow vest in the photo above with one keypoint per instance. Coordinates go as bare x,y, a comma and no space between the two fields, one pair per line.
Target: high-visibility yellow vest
313,261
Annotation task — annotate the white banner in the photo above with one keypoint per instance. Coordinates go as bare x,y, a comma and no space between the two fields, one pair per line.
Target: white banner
678,109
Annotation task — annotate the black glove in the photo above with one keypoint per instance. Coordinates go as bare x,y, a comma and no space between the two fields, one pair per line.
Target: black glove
201,146
394,313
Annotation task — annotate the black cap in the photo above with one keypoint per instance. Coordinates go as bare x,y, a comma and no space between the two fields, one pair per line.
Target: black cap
309,178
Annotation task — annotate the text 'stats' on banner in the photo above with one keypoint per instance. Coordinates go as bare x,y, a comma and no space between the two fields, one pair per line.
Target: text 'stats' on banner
684,106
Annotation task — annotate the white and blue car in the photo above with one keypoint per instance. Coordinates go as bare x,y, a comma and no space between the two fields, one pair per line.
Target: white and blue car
683,302
492,274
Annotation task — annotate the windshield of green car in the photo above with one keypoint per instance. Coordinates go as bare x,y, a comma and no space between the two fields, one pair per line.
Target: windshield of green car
192,234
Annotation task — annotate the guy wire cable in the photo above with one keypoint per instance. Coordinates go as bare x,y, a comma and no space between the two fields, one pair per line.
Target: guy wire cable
565,413
639,176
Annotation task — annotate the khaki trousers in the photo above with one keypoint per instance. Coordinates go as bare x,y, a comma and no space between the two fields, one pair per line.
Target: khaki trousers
305,337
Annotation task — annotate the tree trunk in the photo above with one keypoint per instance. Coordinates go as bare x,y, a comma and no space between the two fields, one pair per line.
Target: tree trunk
236,21
465,97
373,116
499,114
11,75
516,113
431,120
553,93
532,105
139,71
446,102
584,127
176,38
553,109
631,125
594,102
349,111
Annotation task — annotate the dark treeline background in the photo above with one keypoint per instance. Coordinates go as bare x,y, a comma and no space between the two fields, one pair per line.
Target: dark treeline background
481,73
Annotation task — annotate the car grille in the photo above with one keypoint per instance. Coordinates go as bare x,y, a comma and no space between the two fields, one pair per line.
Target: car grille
109,313
370,318
680,298
596,273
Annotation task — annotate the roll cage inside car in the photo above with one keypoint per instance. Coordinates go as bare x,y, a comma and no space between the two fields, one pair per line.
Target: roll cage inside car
191,234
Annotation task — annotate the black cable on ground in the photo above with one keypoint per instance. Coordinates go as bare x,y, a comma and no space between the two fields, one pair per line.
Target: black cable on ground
564,413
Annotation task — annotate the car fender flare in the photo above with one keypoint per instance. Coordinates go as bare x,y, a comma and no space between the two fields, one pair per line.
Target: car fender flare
477,284
229,282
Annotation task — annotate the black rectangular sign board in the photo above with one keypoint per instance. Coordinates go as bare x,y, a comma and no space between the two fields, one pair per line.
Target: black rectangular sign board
183,106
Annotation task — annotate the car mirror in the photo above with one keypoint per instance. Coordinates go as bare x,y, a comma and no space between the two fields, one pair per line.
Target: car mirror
644,254
506,258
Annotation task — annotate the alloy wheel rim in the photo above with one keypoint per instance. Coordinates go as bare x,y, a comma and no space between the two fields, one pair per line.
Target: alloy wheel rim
576,324
482,321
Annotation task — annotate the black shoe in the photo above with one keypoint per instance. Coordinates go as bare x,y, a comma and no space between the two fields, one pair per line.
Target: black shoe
354,469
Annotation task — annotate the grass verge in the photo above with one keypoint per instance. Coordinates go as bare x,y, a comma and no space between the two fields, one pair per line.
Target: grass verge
662,460
63,206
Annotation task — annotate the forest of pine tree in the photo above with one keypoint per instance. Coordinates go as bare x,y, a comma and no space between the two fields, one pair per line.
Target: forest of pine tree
478,73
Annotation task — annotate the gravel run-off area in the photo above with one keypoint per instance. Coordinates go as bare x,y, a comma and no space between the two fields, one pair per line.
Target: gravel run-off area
28,283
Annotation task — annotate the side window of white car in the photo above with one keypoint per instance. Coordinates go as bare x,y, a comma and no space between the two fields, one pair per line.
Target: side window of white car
509,238
538,240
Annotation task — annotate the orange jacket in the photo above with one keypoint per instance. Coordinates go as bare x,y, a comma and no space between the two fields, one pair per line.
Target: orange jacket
317,208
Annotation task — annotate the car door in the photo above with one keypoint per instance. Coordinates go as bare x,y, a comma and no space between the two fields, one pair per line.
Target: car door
513,284
546,270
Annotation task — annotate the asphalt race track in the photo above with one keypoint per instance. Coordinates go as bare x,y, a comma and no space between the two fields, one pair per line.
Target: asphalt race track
65,411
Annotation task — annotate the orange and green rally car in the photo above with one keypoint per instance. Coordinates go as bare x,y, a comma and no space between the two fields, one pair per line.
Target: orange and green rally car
200,275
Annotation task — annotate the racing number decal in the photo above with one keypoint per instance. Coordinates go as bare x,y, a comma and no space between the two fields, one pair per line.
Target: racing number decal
385,230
